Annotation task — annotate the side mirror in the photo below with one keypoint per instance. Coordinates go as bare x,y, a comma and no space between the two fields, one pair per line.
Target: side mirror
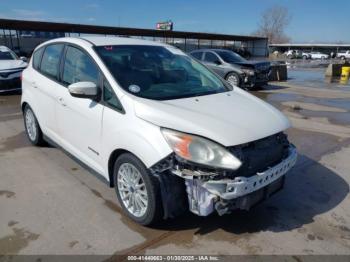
84,90
24,59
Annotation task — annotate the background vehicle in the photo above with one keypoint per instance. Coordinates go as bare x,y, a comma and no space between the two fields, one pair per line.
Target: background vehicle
318,55
344,54
11,68
234,68
294,54
157,125
306,55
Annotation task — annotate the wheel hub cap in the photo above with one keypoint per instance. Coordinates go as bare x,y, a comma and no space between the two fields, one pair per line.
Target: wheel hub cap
232,80
30,124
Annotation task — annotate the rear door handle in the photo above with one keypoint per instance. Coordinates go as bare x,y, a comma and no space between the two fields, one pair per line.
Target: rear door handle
61,101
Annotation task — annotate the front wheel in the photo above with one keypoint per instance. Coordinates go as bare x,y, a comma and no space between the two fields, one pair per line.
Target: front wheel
32,127
137,190
233,79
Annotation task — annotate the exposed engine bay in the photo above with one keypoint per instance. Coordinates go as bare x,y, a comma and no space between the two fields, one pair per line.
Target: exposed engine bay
264,164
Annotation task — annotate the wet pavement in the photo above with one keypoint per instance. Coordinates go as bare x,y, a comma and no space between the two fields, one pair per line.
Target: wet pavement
52,205
316,78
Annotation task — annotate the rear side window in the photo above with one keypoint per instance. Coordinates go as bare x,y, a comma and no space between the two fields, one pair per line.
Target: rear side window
37,57
78,67
197,55
51,60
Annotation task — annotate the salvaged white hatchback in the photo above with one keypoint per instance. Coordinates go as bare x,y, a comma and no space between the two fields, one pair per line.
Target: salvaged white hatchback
165,131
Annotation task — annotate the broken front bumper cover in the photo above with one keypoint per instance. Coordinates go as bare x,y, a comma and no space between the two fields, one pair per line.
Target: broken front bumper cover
240,186
204,196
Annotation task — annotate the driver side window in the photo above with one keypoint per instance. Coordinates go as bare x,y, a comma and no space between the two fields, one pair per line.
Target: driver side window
210,57
79,67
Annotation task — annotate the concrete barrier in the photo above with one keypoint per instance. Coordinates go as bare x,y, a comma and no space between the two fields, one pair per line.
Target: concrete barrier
278,72
335,69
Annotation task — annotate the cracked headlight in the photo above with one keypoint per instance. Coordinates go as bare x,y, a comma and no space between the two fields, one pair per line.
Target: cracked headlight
248,71
200,150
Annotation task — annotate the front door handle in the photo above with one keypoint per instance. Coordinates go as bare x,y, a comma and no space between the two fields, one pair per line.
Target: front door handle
33,84
61,101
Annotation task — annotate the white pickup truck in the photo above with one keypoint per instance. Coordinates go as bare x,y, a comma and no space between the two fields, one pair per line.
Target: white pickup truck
344,54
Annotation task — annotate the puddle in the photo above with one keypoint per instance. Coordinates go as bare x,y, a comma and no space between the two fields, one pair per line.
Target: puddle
7,194
316,78
20,239
14,142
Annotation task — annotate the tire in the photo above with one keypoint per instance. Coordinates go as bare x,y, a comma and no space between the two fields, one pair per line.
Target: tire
233,79
289,56
32,127
125,165
304,57
342,57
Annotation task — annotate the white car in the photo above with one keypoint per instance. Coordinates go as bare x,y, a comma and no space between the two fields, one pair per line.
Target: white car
292,54
344,54
157,125
319,55
306,55
11,68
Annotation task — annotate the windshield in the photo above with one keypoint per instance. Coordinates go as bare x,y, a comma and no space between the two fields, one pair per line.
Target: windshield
230,57
158,72
7,55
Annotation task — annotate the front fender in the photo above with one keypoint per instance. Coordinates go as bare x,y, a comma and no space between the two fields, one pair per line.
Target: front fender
144,140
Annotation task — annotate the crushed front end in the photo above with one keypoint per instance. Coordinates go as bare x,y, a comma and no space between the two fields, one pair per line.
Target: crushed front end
264,164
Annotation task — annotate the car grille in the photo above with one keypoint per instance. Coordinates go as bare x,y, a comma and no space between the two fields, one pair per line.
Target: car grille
259,155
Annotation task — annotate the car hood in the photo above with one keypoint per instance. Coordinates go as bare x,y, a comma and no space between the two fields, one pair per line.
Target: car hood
229,118
12,64
257,65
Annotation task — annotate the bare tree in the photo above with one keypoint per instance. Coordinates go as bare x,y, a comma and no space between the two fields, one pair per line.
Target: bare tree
272,24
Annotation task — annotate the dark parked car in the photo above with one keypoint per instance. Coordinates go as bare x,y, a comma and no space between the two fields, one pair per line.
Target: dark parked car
234,68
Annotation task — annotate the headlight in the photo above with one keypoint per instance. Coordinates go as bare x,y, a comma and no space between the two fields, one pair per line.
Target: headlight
200,150
248,71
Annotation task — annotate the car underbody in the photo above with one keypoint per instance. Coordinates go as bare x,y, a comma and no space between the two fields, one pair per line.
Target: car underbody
204,190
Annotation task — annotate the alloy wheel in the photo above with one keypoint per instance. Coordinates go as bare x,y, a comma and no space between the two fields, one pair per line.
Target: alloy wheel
132,189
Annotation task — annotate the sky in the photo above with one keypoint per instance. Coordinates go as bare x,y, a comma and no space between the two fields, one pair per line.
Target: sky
312,21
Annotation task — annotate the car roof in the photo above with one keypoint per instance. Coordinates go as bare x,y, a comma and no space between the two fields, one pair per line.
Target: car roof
105,41
211,49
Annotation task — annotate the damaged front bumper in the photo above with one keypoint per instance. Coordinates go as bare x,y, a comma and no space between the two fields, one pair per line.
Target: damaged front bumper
225,195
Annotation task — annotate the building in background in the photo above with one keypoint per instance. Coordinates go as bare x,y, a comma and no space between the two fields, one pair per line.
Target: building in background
24,36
